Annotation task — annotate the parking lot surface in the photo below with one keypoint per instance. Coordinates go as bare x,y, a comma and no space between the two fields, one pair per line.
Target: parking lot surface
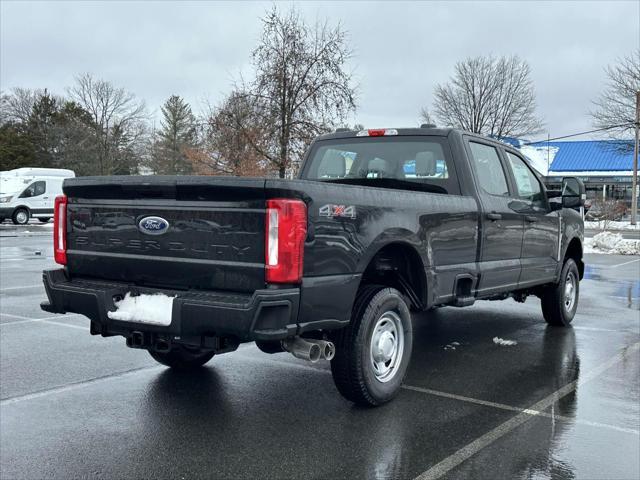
561,403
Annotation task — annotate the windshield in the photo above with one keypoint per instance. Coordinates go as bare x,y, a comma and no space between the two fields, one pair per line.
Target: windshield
416,163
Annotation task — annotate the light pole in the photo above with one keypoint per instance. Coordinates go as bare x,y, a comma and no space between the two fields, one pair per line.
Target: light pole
634,181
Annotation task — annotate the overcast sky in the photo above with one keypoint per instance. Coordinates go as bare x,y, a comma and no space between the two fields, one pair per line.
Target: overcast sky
197,49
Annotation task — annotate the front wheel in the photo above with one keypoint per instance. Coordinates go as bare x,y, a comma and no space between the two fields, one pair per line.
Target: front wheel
20,216
182,358
560,301
373,351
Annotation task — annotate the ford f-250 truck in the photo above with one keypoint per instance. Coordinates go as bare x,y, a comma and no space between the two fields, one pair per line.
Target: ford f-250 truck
329,265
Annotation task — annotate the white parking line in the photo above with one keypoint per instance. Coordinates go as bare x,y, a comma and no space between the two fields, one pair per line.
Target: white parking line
598,329
48,320
528,411
21,288
625,263
77,385
488,438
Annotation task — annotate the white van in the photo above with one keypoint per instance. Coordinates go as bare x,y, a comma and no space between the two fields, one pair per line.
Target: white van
30,192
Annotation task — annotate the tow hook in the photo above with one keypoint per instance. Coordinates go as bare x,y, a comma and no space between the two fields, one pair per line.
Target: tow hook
135,340
162,346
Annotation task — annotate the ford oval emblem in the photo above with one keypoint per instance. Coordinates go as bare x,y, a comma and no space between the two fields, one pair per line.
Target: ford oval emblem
153,225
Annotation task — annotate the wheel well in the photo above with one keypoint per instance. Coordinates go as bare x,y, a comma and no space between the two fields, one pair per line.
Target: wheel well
574,250
399,266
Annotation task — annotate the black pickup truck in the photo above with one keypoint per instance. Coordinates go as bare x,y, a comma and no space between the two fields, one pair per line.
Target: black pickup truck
329,265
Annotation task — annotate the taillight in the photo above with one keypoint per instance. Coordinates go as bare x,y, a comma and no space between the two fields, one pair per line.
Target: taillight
60,230
285,232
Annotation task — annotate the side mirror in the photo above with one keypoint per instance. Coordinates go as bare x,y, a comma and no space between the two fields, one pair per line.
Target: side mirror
573,193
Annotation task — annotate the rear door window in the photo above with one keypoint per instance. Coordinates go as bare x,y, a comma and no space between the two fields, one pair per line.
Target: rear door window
489,171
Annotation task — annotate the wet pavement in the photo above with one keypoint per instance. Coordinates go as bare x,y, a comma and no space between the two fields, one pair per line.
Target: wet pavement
562,403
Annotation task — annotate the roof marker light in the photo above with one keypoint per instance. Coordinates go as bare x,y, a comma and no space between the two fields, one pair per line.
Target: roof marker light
377,132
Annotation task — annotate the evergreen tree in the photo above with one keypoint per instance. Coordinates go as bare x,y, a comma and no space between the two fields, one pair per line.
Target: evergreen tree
41,128
16,148
176,137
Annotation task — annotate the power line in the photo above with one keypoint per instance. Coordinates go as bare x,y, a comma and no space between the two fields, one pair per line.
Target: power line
578,134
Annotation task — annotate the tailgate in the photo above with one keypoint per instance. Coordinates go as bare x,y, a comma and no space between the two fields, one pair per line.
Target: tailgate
210,235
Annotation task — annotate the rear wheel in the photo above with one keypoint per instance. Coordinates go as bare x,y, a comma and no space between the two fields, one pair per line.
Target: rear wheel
560,301
182,358
44,220
373,351
20,216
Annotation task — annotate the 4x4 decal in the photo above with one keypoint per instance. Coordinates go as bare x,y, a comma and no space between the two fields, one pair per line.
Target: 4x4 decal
329,210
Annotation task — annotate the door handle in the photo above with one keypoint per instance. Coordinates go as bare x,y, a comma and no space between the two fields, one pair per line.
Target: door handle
531,218
494,216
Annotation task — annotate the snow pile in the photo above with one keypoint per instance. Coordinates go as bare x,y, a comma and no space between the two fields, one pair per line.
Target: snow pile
612,225
606,240
503,342
153,309
609,242
540,157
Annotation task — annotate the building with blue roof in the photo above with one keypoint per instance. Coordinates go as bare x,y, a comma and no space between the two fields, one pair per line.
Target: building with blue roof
605,166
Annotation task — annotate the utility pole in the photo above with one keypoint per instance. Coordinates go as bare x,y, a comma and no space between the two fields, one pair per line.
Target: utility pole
634,182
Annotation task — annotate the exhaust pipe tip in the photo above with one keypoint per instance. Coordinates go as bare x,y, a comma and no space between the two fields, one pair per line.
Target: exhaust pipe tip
303,349
315,352
328,349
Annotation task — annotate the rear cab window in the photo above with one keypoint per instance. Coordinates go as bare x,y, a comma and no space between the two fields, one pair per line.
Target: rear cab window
410,162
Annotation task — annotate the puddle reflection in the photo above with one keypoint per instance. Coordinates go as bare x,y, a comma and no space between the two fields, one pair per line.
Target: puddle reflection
624,290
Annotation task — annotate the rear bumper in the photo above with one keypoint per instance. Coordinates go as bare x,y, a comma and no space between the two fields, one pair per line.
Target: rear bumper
269,314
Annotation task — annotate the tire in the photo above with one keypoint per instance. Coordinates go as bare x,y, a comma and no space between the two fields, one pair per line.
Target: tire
380,316
44,220
1,219
560,301
182,358
20,216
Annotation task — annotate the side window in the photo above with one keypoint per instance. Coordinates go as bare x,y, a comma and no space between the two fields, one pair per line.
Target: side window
33,190
489,171
527,183
40,188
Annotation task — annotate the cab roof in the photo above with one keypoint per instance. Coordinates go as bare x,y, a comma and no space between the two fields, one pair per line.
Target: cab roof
440,132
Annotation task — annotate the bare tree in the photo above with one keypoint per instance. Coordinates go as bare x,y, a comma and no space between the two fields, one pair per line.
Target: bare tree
616,105
17,105
491,96
118,121
425,116
301,86
232,139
